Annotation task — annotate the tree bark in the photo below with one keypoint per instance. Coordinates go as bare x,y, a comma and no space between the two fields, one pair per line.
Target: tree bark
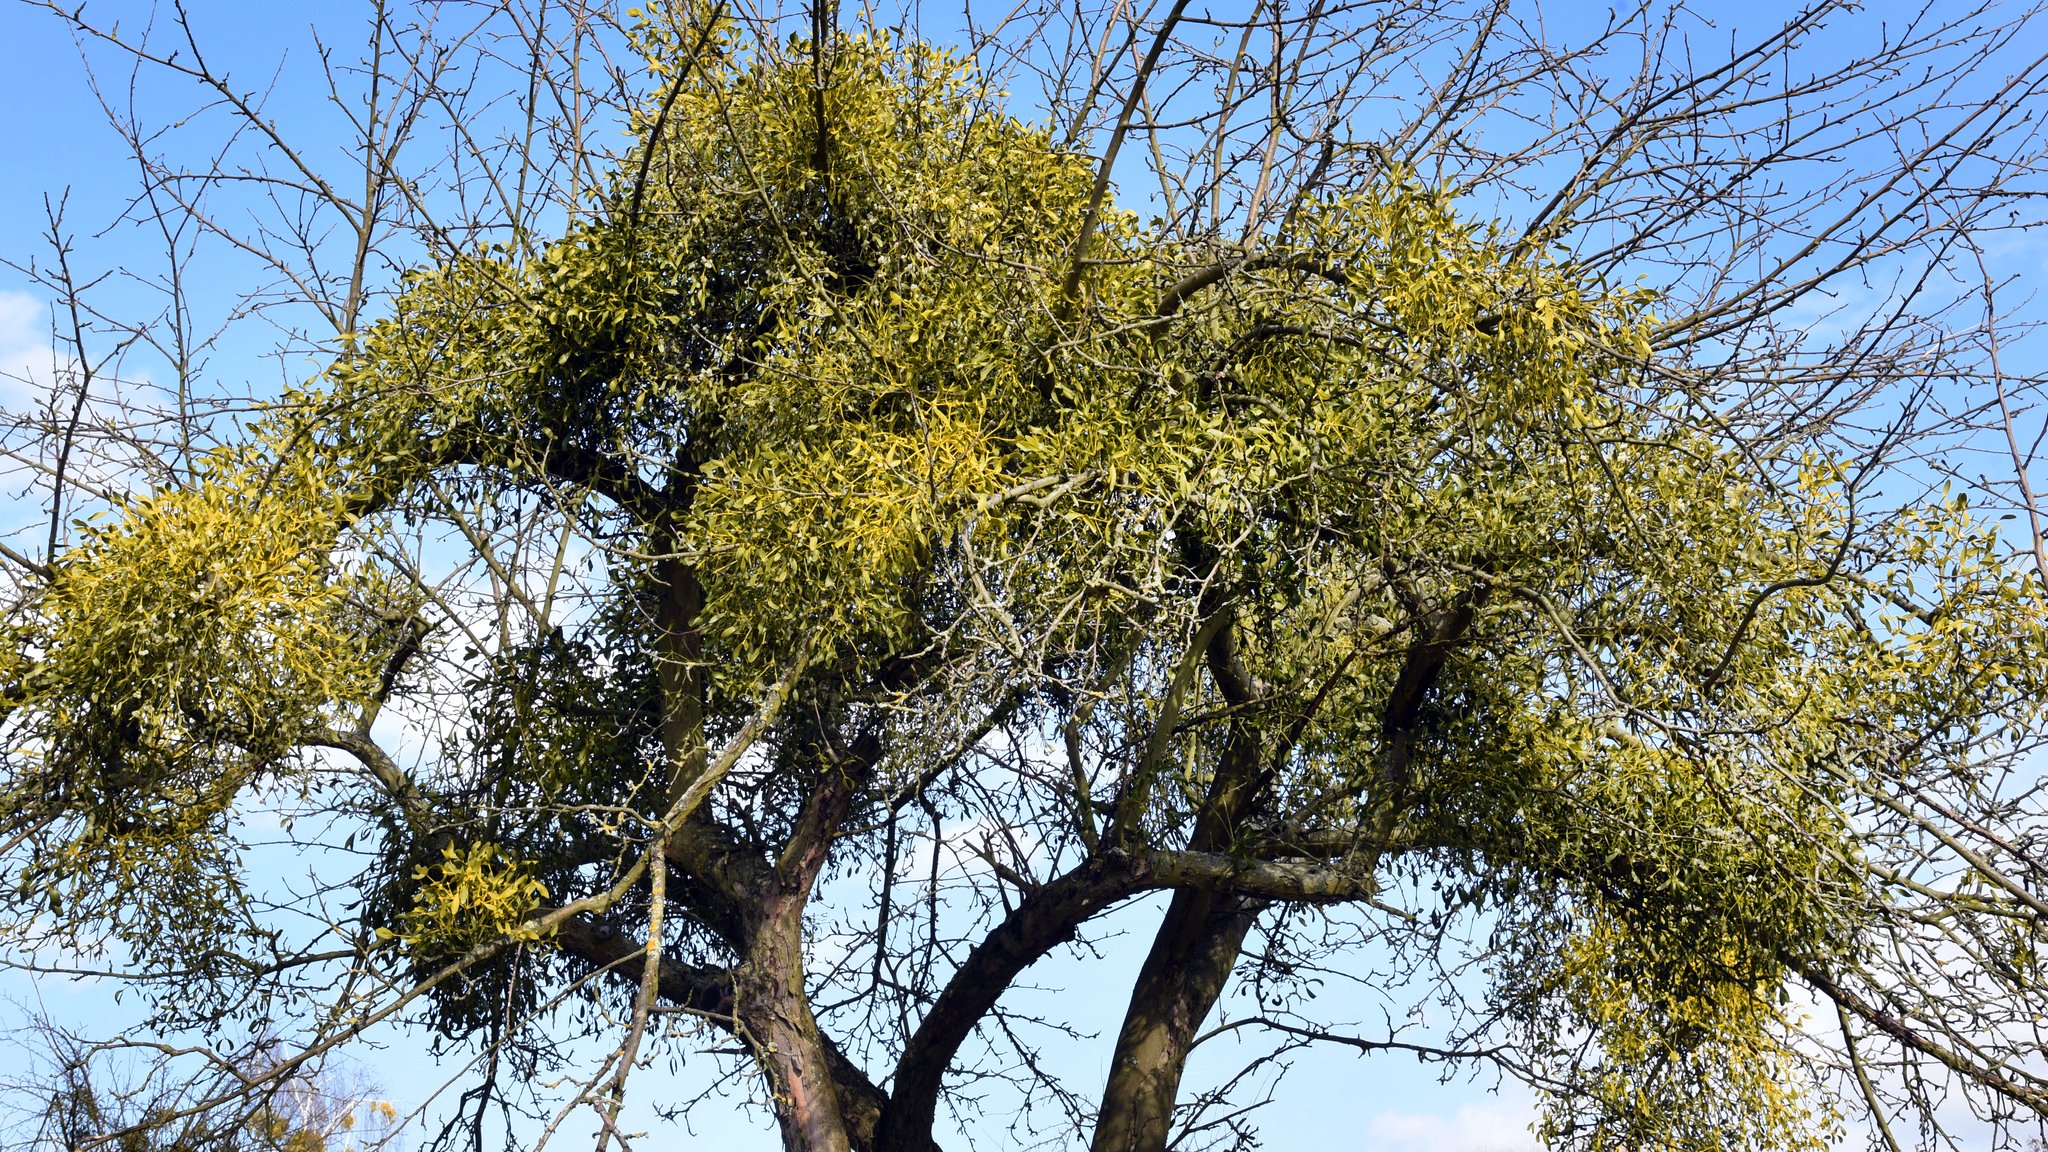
774,1016
1191,960
1196,946
709,991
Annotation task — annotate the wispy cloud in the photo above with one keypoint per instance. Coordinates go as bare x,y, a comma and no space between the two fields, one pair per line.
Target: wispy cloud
1494,1125
28,363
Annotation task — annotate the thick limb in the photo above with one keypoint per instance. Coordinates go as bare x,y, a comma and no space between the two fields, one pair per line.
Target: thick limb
1191,959
709,994
773,1013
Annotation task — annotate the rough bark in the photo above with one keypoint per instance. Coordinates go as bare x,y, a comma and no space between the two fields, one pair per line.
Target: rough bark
708,992
1191,959
774,1016
1197,943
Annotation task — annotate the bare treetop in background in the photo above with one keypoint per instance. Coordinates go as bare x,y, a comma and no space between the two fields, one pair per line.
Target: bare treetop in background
774,523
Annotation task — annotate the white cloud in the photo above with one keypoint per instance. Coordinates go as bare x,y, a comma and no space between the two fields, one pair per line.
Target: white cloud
1493,1125
965,851
28,365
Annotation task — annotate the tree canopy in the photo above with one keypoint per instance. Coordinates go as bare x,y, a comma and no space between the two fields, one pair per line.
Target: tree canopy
639,606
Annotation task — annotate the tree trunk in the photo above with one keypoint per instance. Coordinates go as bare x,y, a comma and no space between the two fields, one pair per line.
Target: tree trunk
1195,948
774,1015
1191,960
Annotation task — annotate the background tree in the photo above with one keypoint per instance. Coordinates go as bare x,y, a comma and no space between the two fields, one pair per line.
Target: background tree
86,1102
1461,501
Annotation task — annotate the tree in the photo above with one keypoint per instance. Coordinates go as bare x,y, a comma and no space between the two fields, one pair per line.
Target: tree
79,1106
1395,527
